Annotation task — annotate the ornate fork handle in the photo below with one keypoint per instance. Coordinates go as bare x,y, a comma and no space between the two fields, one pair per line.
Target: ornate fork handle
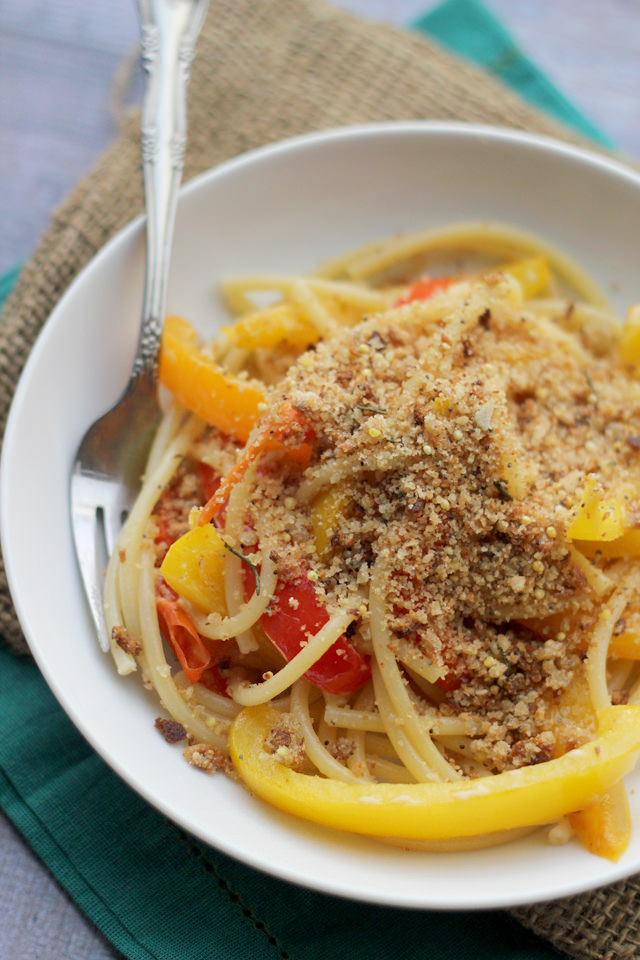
169,30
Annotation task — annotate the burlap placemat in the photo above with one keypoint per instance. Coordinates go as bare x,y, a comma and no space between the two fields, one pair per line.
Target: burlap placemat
268,69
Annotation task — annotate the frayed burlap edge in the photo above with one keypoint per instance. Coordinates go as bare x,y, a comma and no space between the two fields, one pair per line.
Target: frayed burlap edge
268,69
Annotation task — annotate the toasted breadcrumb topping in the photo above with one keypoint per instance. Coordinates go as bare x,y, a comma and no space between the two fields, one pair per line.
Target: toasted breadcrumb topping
207,758
171,730
459,432
125,641
286,742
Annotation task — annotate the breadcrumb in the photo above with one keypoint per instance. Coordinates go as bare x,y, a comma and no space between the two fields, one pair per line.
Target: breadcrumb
125,641
207,758
460,469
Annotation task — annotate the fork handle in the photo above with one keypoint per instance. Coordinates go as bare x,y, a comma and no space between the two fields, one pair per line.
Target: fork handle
169,30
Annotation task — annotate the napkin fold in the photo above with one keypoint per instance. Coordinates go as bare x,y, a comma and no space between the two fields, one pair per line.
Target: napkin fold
154,891
158,894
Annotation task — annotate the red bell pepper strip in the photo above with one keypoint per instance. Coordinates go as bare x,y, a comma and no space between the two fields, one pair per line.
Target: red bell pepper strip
424,289
276,432
169,510
449,682
209,479
166,513
295,615
213,680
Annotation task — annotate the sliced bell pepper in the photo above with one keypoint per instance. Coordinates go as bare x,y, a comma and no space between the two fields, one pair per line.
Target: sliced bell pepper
213,679
528,796
209,479
629,344
424,290
626,545
281,325
179,631
532,274
229,403
604,827
169,510
194,567
625,644
326,510
294,616
600,518
286,430
167,516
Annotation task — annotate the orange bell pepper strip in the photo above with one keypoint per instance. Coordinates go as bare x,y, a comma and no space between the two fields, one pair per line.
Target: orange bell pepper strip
179,631
424,290
229,403
604,827
286,430
532,274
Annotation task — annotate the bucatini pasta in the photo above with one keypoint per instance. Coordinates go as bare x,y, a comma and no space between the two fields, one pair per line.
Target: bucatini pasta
384,565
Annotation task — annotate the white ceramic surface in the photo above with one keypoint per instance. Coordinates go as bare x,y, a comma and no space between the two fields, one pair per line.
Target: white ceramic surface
284,209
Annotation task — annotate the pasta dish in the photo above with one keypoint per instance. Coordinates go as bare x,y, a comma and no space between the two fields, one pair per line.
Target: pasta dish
384,564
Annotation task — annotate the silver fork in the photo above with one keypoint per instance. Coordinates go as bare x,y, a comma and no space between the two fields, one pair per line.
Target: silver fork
110,459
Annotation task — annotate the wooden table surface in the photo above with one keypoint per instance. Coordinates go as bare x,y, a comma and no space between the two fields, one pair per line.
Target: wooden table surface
59,60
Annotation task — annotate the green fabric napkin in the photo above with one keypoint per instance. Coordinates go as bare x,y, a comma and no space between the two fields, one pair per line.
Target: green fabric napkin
154,891
158,894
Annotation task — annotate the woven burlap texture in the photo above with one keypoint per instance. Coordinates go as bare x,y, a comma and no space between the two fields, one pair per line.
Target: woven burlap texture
264,70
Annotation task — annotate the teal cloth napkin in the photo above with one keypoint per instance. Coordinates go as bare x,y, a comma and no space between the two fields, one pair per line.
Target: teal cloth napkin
157,893
467,28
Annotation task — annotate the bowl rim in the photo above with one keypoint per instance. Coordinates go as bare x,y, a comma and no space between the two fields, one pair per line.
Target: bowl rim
311,140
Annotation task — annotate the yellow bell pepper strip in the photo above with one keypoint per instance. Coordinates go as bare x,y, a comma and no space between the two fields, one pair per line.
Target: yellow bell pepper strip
280,326
599,518
629,343
604,827
525,797
532,275
625,644
286,430
194,567
226,402
625,546
326,510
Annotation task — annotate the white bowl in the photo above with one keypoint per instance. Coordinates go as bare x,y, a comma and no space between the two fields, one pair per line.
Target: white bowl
284,208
